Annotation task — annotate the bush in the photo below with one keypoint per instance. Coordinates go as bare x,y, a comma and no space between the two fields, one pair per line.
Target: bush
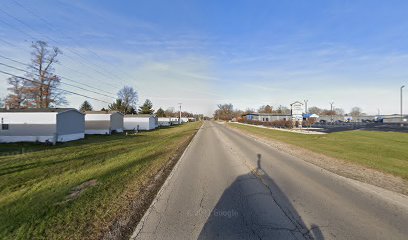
276,124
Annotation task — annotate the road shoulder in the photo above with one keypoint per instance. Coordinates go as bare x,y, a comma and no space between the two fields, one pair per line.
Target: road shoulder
337,166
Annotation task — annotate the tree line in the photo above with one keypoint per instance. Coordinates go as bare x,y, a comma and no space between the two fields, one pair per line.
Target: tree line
228,112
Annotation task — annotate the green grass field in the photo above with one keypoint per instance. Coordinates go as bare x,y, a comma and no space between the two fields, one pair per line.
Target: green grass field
384,151
39,190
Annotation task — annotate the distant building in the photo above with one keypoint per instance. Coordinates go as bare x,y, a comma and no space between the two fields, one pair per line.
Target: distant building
142,122
41,125
174,121
310,115
101,122
266,117
164,121
184,119
395,119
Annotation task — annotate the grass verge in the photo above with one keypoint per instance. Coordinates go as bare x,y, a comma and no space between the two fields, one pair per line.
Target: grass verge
384,151
77,190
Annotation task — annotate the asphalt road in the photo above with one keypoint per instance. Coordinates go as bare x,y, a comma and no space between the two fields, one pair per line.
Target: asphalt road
229,186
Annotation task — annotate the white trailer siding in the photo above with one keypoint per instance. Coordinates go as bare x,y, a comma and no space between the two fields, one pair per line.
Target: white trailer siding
116,122
70,126
144,123
97,123
42,126
164,122
174,121
396,119
103,123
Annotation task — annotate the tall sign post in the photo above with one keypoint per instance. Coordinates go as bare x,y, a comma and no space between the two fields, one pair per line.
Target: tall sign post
297,113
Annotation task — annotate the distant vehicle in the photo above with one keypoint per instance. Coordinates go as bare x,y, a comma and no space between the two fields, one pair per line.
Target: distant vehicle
366,121
323,121
379,120
339,121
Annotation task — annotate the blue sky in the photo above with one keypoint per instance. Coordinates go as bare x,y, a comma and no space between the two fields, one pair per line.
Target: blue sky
201,53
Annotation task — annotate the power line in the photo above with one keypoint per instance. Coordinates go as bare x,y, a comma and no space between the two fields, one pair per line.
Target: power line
51,27
71,85
51,39
66,78
8,43
69,68
71,92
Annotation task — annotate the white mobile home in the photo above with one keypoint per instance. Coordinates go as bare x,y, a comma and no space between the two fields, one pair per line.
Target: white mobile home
101,122
41,125
140,122
174,121
184,120
164,121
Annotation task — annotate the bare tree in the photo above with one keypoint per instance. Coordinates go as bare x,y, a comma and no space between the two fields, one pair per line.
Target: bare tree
283,110
248,110
328,112
314,110
42,91
265,109
169,112
17,98
224,112
356,112
339,111
129,98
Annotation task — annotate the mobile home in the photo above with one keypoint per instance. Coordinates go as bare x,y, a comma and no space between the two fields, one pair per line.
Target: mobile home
41,125
101,122
140,122
164,121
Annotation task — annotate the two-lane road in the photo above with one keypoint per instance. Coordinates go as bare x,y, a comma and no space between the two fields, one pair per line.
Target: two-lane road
229,186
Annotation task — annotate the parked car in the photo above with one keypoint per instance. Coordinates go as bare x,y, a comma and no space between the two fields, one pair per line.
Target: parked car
323,121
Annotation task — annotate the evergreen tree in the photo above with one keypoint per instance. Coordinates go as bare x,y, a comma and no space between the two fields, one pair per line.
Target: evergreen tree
118,106
160,113
147,107
86,106
131,110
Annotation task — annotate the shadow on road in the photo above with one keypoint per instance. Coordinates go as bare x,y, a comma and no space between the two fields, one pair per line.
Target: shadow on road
254,207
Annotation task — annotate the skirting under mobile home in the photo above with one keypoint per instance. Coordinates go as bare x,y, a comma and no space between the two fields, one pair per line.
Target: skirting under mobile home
41,125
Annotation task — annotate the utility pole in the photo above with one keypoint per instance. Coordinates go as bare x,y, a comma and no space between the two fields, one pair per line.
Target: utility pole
179,112
306,106
402,124
331,110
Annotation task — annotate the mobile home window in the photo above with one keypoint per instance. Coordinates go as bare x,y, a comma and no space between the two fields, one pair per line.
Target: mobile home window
4,127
